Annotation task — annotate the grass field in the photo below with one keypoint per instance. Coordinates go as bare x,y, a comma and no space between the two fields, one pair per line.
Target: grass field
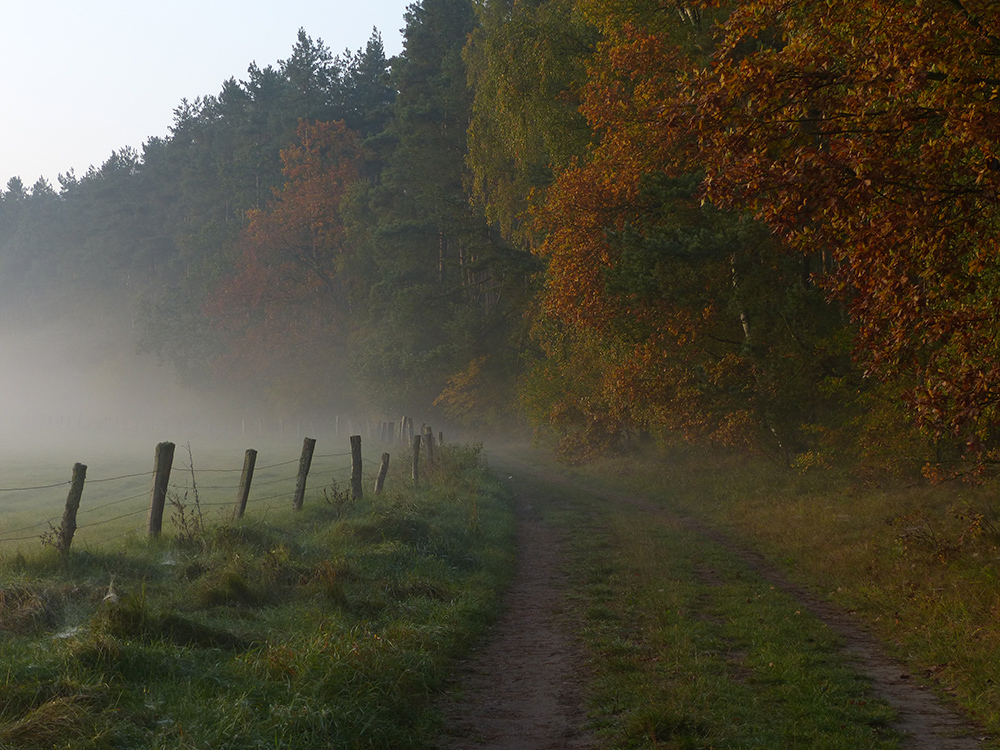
34,484
336,626
330,627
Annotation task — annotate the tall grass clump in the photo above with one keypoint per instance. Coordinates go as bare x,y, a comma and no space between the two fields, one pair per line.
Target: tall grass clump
331,627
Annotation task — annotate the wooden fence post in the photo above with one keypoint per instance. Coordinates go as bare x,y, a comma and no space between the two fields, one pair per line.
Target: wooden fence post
356,490
429,442
246,478
415,442
308,446
383,469
162,461
68,527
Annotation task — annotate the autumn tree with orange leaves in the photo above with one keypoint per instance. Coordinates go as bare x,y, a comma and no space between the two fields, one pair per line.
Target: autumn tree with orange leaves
860,137
286,310
867,133
660,312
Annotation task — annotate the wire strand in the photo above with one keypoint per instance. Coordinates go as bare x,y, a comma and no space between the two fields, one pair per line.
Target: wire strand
124,476
113,502
40,487
26,528
111,520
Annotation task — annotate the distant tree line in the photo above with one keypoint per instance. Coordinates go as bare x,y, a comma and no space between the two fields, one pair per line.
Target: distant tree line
304,232
762,224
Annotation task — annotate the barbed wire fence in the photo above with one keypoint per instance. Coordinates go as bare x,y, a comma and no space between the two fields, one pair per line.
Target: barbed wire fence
266,487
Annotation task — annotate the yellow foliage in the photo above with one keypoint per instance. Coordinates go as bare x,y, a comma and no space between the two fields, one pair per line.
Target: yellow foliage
463,397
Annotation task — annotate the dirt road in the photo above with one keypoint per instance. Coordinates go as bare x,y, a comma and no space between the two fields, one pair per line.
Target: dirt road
526,687
524,690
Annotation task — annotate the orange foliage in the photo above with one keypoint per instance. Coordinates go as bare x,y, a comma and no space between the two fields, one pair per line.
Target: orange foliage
869,131
587,200
464,398
291,285
863,134
619,360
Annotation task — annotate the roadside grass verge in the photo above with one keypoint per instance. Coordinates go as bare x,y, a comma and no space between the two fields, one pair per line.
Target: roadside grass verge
690,648
919,563
331,627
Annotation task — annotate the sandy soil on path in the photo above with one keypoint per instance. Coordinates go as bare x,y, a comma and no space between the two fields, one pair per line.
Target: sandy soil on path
525,688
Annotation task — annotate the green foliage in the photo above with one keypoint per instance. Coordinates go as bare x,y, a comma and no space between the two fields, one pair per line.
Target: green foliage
423,286
526,62
567,126
156,229
445,288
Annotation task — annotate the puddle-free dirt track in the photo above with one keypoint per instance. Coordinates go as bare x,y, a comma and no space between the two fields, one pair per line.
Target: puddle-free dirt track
525,687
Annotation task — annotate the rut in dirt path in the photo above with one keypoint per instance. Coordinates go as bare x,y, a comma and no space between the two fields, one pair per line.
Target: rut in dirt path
925,721
524,689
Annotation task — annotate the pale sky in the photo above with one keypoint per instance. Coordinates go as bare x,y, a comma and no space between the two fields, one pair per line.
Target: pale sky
81,78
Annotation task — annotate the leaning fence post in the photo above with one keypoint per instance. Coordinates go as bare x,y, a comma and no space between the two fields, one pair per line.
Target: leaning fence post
243,493
356,489
415,442
308,446
383,469
68,527
162,461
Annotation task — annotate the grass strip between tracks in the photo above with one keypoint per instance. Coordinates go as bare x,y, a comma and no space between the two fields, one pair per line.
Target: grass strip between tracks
690,648
917,563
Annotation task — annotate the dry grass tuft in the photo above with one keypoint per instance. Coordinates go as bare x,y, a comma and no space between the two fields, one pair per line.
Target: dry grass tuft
24,610
55,723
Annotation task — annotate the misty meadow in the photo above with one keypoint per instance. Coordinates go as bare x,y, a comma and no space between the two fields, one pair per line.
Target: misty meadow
731,268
